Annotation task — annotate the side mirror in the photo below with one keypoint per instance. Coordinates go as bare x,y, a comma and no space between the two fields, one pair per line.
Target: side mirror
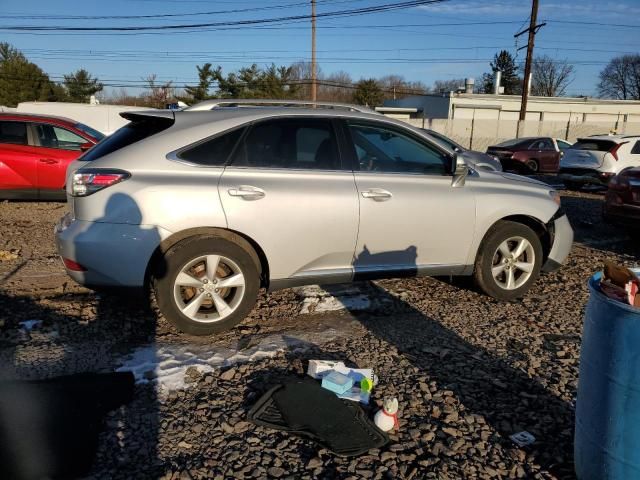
460,171
86,146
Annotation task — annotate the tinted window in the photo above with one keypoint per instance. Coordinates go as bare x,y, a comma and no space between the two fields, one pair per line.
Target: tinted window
636,148
127,135
13,132
297,144
56,137
510,143
214,152
541,144
92,132
382,149
594,145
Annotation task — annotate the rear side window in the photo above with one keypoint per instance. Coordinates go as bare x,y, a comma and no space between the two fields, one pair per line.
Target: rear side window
127,135
594,145
541,144
14,133
296,144
214,152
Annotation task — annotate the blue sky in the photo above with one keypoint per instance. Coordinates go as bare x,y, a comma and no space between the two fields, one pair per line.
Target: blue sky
399,42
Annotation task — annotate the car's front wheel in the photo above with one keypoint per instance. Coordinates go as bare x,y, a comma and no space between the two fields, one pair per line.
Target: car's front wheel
508,261
208,284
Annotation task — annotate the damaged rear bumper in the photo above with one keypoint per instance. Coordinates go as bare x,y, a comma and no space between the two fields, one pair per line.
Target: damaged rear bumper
562,240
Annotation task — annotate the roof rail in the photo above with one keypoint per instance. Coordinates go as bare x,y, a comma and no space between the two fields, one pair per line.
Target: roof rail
256,102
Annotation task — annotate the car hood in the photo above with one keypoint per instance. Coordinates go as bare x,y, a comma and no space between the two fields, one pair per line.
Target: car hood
520,178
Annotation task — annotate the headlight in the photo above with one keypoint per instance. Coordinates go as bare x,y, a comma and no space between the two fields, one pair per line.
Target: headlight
555,196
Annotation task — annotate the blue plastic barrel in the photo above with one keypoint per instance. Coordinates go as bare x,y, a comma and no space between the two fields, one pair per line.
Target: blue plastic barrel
607,434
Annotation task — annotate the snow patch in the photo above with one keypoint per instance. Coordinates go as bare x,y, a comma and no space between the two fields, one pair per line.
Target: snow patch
166,363
29,325
317,300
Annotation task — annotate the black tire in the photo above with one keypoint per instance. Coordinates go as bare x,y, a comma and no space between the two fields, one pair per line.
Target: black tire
500,232
572,186
532,166
236,249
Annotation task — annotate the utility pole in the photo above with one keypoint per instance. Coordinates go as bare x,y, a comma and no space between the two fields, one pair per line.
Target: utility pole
533,29
314,94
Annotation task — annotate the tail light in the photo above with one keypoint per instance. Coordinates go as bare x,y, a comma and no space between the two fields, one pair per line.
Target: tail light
73,266
619,182
87,181
614,150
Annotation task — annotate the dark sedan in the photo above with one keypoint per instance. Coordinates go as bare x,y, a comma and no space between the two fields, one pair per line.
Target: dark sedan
530,154
622,201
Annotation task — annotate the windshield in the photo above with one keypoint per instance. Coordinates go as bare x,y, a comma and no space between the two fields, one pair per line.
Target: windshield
447,141
92,132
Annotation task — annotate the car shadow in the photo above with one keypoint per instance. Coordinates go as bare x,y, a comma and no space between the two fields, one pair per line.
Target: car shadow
86,332
505,397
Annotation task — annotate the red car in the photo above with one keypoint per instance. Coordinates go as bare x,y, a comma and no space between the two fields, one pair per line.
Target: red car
530,154
35,151
622,201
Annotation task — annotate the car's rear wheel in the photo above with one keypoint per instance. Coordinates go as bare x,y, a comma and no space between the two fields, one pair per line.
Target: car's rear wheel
508,261
208,285
532,166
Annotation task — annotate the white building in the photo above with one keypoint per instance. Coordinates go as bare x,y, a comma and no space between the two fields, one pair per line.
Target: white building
507,107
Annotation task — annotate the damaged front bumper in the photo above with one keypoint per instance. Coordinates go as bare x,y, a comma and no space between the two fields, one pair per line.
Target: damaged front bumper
561,241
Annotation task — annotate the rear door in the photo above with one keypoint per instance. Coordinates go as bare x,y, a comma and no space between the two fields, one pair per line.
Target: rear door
411,218
287,189
545,152
18,161
58,148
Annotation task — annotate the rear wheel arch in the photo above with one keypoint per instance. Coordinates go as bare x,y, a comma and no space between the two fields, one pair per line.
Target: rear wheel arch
251,246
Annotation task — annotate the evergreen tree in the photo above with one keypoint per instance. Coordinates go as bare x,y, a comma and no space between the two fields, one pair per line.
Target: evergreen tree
201,91
80,86
21,80
368,92
511,82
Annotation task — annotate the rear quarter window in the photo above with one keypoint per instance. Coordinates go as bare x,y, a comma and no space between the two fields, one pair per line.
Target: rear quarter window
125,136
14,133
214,152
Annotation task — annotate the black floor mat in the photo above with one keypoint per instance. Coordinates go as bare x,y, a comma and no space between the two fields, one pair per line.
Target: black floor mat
49,428
305,408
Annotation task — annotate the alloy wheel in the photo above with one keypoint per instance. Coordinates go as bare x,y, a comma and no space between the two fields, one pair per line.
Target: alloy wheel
209,288
513,263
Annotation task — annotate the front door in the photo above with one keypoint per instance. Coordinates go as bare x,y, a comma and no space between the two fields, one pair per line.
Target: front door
411,218
287,190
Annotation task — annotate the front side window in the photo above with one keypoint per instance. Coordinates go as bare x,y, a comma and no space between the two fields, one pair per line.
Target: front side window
382,149
92,132
214,152
56,137
14,133
289,143
562,145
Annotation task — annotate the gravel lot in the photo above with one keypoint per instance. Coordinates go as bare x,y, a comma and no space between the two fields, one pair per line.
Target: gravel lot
468,371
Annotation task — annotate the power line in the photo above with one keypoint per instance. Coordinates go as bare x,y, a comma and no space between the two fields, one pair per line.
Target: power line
340,13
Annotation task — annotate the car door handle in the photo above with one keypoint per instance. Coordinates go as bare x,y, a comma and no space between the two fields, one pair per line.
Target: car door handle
48,161
247,192
377,194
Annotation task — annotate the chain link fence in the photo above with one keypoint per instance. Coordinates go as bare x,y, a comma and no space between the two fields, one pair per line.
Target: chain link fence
481,133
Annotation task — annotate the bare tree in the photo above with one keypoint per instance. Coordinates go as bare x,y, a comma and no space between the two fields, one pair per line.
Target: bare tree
396,86
550,77
337,87
621,78
158,95
444,86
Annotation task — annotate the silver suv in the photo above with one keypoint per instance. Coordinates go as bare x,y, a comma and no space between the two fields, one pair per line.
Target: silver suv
206,207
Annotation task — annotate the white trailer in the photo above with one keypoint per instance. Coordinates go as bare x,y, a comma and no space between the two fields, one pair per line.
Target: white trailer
104,118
